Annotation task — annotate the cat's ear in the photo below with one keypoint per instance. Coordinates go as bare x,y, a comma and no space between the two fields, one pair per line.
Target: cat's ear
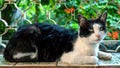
103,17
82,21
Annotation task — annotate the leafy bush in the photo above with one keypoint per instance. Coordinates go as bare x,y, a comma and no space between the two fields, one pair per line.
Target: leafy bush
64,12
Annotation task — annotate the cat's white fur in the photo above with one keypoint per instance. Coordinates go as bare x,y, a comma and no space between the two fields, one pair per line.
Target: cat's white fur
33,55
20,55
85,50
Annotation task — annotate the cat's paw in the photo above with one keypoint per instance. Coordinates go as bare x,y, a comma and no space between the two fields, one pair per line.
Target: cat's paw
89,60
93,60
105,56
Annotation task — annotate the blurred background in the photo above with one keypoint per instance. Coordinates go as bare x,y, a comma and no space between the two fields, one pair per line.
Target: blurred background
15,13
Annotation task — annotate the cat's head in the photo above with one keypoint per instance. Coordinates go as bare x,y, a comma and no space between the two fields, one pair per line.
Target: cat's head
93,30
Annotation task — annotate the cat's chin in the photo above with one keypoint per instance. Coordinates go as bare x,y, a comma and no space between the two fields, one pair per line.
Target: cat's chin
97,41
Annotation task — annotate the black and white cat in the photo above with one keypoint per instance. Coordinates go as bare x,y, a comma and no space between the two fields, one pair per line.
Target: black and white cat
48,43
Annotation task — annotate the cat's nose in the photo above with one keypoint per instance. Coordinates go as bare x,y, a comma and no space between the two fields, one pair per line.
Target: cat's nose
98,36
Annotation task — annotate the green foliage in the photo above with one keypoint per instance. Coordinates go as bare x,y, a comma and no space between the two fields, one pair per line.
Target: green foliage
8,34
1,3
64,12
2,27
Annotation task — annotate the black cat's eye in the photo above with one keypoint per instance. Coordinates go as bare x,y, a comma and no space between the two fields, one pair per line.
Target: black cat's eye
91,29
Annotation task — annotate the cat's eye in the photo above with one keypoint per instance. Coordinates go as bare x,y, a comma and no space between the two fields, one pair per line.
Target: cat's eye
90,29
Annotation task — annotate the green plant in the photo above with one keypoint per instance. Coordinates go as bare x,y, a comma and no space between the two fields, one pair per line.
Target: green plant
64,12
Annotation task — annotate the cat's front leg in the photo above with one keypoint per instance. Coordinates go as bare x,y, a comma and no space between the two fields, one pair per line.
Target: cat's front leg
105,56
81,60
86,60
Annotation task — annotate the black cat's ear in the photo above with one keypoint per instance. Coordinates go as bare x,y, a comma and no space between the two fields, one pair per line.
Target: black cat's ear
82,21
103,17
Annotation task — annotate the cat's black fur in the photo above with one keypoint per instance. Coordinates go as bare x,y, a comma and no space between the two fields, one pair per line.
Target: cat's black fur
51,41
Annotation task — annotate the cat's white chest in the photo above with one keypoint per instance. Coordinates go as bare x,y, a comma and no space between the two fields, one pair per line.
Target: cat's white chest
81,49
